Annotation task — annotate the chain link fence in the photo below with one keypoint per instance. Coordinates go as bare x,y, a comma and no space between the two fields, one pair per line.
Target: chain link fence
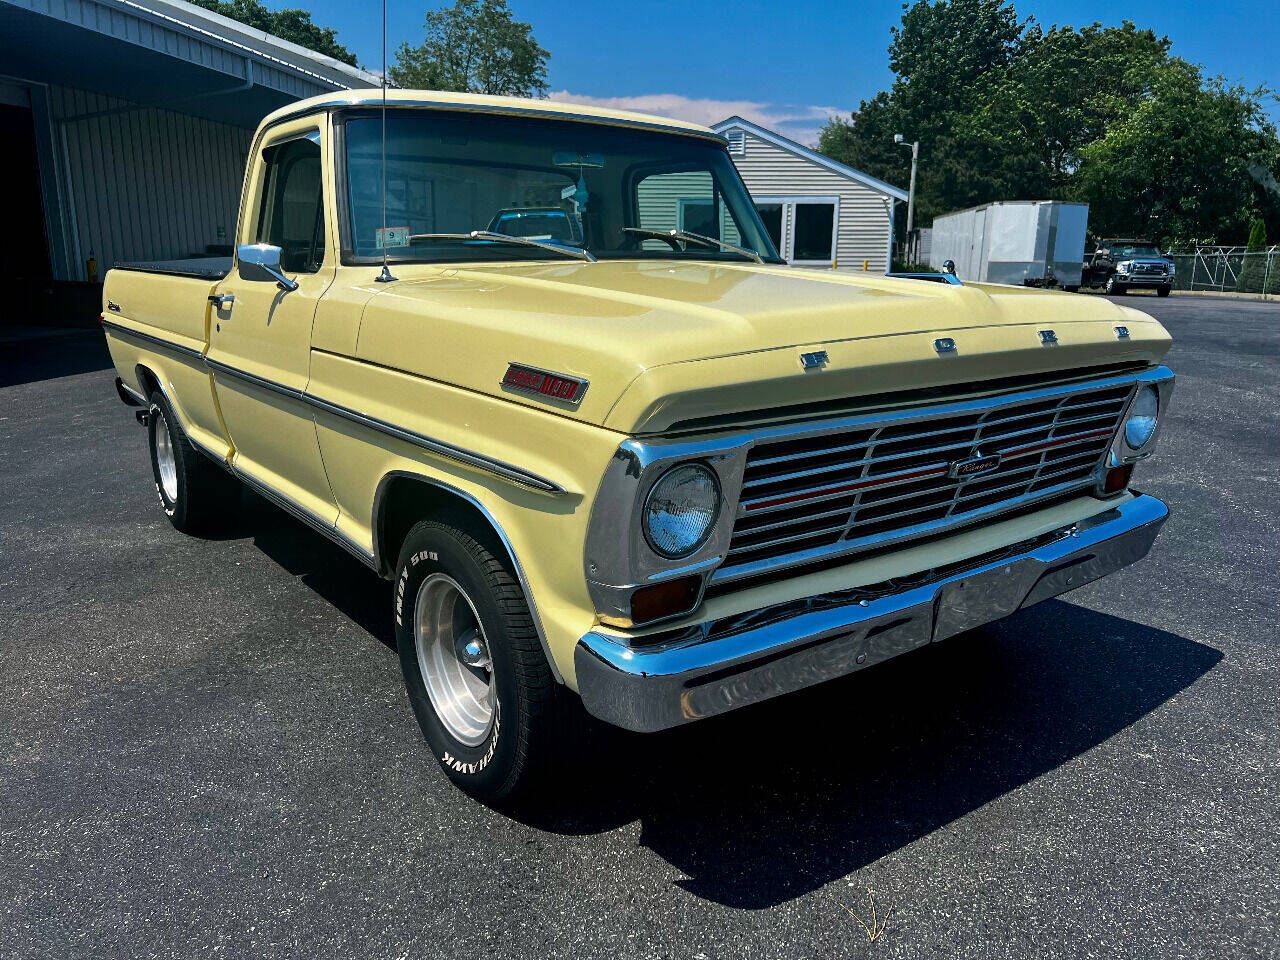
1228,270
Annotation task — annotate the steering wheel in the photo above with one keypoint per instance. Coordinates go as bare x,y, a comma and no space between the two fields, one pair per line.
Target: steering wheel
673,242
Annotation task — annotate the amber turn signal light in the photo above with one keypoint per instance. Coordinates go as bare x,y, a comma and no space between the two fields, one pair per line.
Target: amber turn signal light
665,599
1117,478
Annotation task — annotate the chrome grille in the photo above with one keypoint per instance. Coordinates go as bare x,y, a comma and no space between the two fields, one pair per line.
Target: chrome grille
880,481
1148,270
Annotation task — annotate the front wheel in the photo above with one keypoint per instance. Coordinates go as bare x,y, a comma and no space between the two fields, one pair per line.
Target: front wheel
1163,291
477,678
1115,289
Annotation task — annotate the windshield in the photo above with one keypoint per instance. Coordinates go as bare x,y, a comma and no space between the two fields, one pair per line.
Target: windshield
1124,251
556,181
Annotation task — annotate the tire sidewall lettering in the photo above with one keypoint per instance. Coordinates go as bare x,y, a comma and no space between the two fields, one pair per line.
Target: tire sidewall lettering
471,768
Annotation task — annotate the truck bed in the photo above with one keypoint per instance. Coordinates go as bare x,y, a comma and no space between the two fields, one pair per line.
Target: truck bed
203,268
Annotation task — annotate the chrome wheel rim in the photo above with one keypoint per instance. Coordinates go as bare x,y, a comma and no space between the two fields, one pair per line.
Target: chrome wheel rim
453,658
166,465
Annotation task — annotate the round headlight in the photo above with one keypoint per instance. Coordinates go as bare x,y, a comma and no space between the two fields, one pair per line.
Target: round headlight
1144,413
681,510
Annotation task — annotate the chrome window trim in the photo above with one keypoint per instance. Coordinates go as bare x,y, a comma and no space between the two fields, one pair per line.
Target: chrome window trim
500,468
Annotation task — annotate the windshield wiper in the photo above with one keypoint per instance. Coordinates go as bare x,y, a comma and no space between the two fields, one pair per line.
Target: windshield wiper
696,238
577,252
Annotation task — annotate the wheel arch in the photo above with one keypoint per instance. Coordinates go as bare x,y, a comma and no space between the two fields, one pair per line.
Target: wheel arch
147,379
403,498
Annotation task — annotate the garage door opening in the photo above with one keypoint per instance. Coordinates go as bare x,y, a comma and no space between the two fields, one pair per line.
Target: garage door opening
25,269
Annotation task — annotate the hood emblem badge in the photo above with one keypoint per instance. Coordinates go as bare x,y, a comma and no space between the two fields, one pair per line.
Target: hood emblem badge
944,345
974,466
814,361
1048,337
554,386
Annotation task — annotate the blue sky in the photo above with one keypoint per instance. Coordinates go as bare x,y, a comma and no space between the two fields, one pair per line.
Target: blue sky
786,65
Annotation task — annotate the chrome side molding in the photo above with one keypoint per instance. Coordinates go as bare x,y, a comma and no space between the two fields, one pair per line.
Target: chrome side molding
441,448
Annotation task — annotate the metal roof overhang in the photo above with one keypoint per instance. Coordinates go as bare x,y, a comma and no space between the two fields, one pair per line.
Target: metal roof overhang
138,54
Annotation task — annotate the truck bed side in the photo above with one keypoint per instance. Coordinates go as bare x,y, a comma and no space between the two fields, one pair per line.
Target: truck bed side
157,327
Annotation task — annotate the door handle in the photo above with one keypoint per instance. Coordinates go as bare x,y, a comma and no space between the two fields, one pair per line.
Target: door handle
222,301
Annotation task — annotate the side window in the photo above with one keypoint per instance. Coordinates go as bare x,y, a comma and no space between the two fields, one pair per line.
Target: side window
684,201
291,215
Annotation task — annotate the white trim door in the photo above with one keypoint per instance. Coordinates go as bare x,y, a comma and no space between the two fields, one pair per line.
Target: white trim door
791,214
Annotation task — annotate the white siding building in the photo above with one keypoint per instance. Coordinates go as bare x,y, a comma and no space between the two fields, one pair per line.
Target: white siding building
819,212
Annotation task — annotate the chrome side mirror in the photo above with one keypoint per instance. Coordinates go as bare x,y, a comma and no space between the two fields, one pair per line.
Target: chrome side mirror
261,261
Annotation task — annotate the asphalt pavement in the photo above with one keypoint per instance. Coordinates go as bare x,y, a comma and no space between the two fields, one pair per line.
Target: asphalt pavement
206,748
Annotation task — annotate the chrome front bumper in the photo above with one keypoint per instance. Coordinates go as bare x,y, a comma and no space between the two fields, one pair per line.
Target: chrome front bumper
718,666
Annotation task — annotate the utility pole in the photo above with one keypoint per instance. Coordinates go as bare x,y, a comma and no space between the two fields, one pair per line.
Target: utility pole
911,190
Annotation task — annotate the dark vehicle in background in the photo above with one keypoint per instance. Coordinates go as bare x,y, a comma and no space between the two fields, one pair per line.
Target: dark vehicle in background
538,223
1122,265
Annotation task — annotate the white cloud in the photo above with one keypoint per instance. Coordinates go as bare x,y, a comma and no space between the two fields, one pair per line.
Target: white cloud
799,122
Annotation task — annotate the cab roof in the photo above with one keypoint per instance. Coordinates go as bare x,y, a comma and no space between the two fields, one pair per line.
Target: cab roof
482,103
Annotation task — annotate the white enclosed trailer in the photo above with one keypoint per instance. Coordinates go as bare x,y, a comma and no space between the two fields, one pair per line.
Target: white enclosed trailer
1033,243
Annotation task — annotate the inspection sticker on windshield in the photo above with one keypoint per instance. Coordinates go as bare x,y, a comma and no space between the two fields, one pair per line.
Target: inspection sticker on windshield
393,237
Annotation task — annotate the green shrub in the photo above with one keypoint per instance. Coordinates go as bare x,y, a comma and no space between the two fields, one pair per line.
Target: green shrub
1253,273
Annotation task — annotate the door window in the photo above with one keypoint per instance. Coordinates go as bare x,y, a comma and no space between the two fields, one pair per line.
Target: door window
291,215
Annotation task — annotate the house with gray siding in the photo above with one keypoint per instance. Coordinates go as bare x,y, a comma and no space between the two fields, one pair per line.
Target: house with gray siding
820,213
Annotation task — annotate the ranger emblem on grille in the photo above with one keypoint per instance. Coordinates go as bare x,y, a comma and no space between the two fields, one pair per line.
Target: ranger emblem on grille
974,466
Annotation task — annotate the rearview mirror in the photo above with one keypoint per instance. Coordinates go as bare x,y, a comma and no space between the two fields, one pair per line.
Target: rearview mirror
261,262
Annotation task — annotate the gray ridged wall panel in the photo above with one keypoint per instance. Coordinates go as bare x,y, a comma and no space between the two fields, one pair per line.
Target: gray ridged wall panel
147,184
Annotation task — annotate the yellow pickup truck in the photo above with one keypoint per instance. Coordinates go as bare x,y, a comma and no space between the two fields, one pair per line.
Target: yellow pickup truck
543,368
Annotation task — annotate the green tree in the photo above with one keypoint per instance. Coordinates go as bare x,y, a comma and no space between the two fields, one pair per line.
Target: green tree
942,54
1005,109
1176,168
475,46
292,24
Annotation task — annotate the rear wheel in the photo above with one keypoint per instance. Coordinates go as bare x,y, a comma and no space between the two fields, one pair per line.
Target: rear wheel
194,491
478,681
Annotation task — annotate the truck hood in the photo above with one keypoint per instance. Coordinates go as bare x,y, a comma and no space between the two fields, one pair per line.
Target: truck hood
665,343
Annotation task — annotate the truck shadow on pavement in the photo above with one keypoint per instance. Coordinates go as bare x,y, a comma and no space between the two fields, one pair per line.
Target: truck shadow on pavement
764,805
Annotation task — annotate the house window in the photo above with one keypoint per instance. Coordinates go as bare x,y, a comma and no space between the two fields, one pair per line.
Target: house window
737,143
804,229
814,233
699,216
